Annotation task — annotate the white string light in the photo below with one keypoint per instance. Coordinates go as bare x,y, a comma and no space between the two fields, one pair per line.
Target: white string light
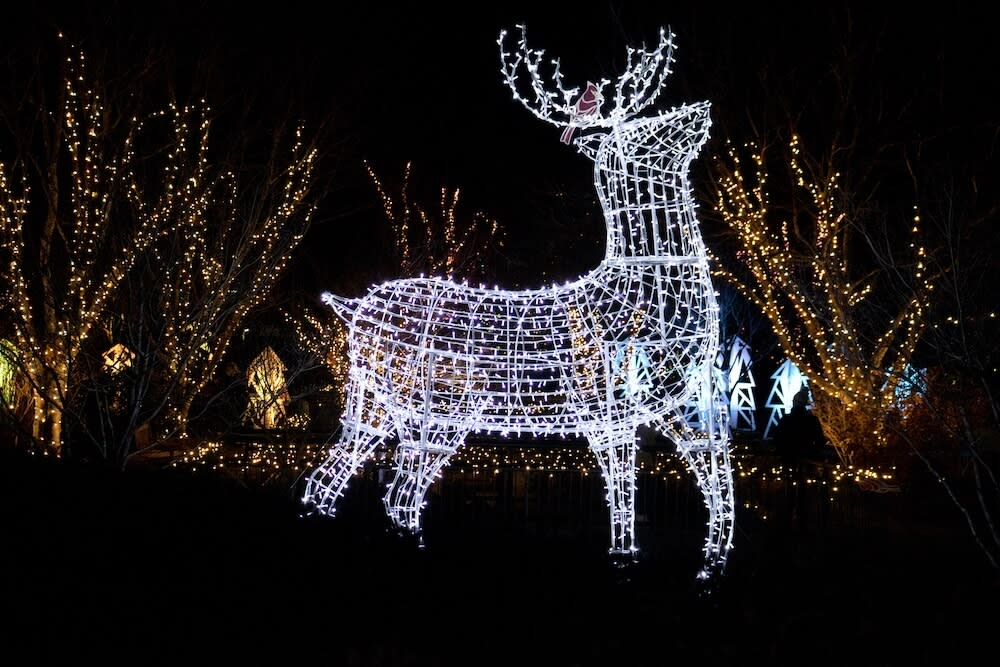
626,345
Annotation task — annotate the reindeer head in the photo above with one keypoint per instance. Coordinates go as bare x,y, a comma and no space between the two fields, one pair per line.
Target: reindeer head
606,105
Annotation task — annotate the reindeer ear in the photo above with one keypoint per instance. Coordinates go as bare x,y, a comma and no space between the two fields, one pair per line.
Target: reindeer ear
589,144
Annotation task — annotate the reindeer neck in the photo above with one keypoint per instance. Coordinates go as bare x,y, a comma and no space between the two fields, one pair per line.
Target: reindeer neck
648,204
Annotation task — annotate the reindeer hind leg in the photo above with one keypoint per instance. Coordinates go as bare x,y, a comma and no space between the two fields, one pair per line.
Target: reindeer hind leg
615,452
706,453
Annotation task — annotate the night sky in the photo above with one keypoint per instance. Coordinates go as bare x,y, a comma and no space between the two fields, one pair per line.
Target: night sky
420,82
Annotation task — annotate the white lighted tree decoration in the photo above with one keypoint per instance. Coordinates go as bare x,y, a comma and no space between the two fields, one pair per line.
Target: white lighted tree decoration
433,360
740,385
912,383
788,380
733,386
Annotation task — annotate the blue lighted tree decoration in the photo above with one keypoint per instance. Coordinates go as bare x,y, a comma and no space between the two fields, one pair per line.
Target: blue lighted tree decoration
625,345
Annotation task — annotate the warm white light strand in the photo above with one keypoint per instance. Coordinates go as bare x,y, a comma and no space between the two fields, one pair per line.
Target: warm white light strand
625,345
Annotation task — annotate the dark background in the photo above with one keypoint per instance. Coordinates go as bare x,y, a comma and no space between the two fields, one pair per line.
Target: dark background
420,82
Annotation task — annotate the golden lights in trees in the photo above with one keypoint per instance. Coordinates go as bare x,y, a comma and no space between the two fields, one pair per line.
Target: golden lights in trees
217,260
797,271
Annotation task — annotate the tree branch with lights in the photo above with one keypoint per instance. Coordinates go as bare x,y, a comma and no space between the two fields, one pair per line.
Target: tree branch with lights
128,225
795,249
60,266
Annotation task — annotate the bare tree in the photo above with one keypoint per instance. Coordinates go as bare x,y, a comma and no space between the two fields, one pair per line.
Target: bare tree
128,223
951,422
60,266
796,249
432,242
226,251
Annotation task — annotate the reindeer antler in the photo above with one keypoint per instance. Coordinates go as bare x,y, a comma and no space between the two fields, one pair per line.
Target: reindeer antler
634,90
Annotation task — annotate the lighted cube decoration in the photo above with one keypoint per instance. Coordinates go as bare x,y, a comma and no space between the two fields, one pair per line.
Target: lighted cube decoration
625,345
117,358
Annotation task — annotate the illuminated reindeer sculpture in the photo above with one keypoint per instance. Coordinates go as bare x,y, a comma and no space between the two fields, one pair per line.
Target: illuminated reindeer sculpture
626,345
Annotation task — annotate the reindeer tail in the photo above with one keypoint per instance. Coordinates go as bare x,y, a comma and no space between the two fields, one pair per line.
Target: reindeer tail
343,307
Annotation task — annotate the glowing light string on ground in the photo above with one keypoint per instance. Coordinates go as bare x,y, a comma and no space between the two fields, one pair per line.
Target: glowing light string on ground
623,346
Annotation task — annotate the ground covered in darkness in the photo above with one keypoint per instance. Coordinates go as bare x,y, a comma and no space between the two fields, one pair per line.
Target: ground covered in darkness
163,567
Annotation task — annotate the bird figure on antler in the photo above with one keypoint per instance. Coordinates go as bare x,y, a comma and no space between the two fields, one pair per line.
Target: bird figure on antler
588,104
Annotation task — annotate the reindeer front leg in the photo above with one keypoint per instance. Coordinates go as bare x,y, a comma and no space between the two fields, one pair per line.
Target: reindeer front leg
361,432
615,452
416,469
327,483
709,461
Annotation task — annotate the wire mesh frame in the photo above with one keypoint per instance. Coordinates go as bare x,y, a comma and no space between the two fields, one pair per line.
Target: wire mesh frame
628,344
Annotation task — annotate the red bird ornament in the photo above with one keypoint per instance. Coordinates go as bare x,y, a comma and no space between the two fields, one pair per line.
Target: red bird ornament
587,105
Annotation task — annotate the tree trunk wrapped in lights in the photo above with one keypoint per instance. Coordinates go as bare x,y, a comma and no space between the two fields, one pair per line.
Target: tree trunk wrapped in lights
126,228
433,360
225,250
60,264
849,327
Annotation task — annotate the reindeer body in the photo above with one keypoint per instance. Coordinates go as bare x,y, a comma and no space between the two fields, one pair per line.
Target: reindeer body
623,346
